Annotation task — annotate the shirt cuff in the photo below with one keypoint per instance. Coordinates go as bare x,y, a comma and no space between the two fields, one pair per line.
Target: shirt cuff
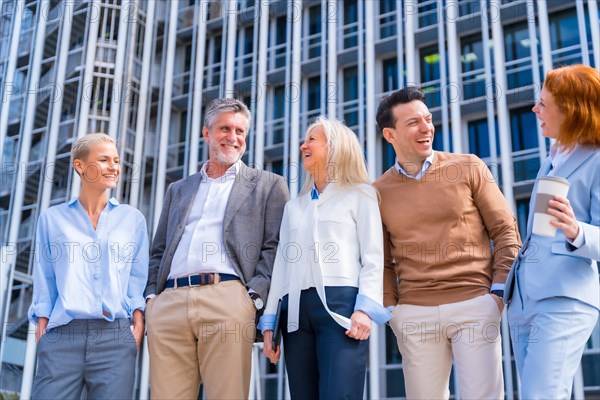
374,310
498,286
266,323
37,310
138,304
579,240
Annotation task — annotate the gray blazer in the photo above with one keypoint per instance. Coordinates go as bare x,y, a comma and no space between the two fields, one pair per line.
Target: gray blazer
250,227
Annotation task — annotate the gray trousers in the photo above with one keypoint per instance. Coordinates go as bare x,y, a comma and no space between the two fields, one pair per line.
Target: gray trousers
95,355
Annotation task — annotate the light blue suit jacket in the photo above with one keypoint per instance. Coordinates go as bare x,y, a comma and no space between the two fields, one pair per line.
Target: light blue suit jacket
552,266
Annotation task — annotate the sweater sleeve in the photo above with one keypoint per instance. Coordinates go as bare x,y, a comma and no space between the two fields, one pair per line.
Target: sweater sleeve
497,217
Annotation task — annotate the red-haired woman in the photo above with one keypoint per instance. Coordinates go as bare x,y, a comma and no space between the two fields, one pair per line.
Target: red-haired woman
555,301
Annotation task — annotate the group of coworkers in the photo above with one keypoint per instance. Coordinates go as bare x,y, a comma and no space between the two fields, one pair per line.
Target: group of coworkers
431,248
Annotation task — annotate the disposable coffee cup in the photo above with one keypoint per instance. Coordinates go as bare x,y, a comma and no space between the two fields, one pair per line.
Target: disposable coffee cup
547,188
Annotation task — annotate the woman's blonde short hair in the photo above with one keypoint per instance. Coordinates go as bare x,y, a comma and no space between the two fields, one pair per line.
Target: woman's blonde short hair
346,163
576,90
81,148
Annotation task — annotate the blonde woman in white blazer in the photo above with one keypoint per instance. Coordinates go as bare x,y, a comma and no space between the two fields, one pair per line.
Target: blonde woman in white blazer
328,272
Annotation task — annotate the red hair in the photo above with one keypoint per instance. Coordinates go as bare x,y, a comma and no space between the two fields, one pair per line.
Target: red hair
576,90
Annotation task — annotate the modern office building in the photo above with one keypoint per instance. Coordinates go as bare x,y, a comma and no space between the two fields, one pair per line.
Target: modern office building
143,71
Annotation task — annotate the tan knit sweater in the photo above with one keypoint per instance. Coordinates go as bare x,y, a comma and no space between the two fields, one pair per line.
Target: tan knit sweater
437,232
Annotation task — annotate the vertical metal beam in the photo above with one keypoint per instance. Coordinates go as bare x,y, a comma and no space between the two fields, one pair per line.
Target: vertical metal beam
489,88
259,144
136,178
499,58
287,101
294,91
9,258
88,80
61,69
7,88
140,125
370,100
544,27
502,108
535,71
198,87
254,85
127,89
399,44
455,81
332,90
374,362
585,51
361,73
595,30
166,112
443,80
411,12
231,40
115,107
323,76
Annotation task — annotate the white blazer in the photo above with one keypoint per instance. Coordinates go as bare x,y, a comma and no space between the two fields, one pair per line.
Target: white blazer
339,237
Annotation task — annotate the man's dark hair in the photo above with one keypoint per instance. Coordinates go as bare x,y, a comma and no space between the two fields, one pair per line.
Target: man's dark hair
384,117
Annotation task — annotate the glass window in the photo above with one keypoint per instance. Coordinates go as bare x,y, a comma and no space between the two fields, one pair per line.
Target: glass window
430,75
471,53
314,28
479,138
350,18
390,74
430,63
467,7
280,40
526,161
387,20
350,83
563,29
438,139
517,47
314,20
217,49
564,38
516,41
248,39
278,113
427,13
350,95
472,67
314,93
524,130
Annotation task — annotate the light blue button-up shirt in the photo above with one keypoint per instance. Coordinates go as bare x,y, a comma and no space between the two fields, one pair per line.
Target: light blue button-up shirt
82,273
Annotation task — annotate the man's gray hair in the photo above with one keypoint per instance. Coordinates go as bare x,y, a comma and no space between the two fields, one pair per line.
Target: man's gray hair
81,148
220,106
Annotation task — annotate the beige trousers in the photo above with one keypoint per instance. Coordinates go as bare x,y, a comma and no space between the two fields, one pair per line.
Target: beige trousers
429,337
199,335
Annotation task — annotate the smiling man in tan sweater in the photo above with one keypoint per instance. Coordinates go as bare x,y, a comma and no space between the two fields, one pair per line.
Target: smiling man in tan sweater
450,239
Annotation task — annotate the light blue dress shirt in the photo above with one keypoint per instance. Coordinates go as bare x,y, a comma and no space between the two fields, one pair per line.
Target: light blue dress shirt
82,273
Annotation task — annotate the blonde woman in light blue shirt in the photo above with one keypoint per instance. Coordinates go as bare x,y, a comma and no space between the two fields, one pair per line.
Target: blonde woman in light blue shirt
90,271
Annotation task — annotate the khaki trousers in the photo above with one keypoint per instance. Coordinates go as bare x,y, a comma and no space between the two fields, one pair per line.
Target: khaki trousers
429,337
202,334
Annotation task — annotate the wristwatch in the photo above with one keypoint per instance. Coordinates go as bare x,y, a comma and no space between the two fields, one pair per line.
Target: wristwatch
258,303
499,293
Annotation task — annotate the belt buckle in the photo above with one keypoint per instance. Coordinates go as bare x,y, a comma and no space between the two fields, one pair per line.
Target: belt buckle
190,284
